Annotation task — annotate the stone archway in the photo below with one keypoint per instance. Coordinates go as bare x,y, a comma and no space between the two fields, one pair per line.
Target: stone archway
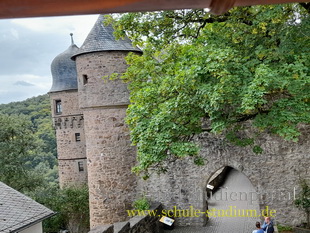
274,174
231,200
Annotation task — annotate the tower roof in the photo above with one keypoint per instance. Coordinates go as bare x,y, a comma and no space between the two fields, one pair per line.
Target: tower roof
101,38
64,70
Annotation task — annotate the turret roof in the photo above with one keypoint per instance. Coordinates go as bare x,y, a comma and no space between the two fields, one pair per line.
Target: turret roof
101,38
64,70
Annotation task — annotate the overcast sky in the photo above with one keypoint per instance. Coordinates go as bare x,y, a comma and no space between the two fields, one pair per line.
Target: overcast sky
27,48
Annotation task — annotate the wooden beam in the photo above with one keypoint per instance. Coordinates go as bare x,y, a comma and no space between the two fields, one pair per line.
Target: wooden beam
38,8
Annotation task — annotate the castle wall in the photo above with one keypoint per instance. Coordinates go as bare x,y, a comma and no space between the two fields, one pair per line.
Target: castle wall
67,146
76,177
110,158
109,152
69,125
275,174
70,105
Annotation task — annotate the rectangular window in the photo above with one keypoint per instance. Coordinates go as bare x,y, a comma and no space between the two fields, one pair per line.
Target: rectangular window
85,79
58,108
77,137
81,166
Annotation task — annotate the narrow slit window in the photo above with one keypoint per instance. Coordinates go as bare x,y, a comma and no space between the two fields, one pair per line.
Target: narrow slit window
85,79
81,166
58,107
77,137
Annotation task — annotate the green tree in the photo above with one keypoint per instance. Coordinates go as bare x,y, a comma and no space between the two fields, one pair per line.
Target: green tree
71,205
16,147
248,65
41,159
28,163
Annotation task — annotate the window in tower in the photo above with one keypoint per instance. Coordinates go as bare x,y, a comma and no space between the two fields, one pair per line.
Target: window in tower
58,108
81,166
85,79
77,137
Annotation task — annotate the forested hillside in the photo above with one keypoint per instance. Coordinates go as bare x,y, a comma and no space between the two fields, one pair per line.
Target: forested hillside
28,162
38,110
27,121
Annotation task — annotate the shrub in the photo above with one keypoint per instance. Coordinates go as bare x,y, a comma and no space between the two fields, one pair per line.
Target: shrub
303,200
141,204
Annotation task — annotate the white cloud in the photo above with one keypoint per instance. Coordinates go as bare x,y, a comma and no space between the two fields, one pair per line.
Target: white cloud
78,25
28,48
23,83
14,88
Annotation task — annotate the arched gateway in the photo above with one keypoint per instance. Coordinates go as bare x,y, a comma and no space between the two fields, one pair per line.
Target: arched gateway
232,202
274,176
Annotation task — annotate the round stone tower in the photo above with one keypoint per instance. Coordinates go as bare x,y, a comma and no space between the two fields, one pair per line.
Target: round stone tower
110,155
68,120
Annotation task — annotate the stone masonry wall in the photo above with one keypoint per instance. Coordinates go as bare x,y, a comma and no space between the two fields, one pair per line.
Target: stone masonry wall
71,167
275,175
110,158
137,224
69,125
96,92
70,105
109,152
67,146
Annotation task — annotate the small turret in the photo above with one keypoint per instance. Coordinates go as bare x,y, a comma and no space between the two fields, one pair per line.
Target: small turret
68,120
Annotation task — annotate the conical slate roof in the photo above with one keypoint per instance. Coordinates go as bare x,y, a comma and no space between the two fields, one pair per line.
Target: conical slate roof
64,70
101,38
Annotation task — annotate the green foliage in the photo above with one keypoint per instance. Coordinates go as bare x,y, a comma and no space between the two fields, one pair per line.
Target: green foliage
141,204
38,111
28,163
28,159
284,228
250,64
71,205
303,200
28,152
16,146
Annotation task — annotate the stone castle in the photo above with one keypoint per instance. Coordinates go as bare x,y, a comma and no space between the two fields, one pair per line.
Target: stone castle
94,147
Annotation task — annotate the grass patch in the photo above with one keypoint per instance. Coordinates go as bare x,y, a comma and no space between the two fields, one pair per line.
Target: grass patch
282,228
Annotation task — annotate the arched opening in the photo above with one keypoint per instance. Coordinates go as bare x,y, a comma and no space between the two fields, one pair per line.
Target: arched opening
232,201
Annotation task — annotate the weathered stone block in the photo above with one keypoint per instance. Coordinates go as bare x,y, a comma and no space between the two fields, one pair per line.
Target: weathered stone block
121,227
103,229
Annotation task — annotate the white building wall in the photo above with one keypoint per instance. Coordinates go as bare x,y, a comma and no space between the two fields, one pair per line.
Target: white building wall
33,229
